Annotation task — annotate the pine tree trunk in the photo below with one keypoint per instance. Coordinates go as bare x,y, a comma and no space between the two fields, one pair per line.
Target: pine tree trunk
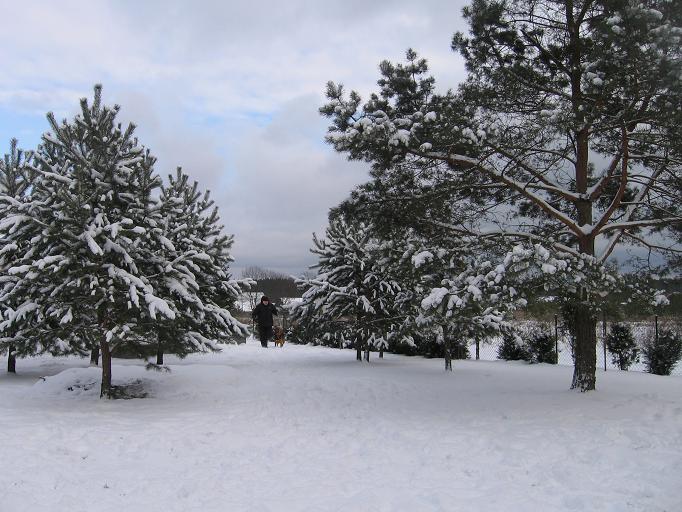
159,353
105,390
367,353
11,360
584,372
585,369
447,352
381,352
94,356
585,325
358,337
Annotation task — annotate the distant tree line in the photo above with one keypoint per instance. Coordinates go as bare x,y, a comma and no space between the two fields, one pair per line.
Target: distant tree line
276,285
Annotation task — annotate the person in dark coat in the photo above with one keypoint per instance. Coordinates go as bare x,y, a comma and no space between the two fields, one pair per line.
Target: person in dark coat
262,315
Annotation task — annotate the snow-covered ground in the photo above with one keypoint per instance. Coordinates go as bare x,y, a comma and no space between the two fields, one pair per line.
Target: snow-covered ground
309,429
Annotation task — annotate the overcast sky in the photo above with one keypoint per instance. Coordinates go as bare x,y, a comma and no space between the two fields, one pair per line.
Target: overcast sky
227,90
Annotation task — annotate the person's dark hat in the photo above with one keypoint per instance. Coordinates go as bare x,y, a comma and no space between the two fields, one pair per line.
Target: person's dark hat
264,298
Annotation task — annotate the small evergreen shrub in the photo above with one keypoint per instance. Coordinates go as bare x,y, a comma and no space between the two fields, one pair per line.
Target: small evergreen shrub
430,347
661,356
399,346
541,347
622,345
512,349
459,350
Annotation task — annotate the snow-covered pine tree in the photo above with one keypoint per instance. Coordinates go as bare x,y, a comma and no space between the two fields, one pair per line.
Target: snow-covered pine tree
349,286
192,269
84,281
460,293
566,131
16,230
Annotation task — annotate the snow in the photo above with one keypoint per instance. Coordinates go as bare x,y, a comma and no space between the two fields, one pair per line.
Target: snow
96,249
660,300
400,137
421,258
68,317
430,116
475,291
434,299
310,429
548,269
156,304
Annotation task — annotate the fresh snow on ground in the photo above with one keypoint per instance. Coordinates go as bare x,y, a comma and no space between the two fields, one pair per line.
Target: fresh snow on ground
310,429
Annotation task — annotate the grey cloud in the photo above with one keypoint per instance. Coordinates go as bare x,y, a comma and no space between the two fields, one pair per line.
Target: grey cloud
285,183
229,91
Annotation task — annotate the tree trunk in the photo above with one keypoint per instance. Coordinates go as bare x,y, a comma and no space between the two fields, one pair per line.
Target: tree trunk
159,352
447,351
358,336
381,352
105,390
585,350
585,369
11,360
367,353
94,356
585,322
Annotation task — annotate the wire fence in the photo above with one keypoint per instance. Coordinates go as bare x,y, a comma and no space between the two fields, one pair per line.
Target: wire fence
642,330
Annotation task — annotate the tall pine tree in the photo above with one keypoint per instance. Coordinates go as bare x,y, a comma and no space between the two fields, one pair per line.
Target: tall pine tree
566,131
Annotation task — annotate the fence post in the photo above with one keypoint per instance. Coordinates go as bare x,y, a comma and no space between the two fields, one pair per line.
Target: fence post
603,334
556,337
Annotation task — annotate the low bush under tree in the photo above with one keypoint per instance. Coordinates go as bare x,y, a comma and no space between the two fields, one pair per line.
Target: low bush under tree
622,345
512,349
662,353
541,347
